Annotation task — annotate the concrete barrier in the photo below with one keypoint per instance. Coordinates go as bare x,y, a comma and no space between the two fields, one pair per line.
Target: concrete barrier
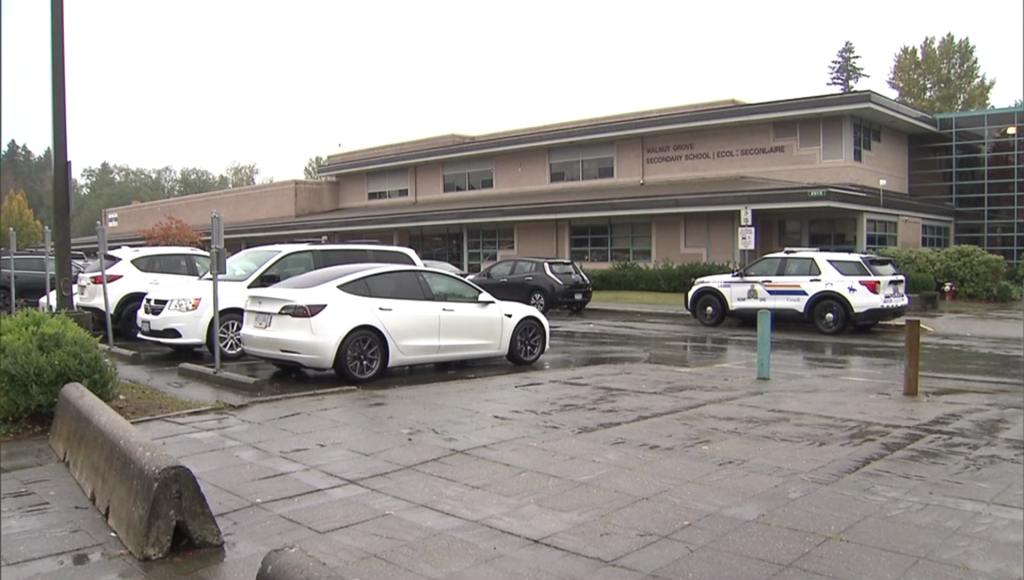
293,564
148,498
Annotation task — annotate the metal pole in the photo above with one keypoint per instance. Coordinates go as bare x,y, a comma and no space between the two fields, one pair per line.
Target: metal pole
61,183
764,344
912,357
12,238
47,247
216,311
101,238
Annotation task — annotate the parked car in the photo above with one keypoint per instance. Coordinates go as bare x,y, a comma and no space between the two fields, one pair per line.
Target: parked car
543,283
182,317
359,320
131,274
445,266
831,289
29,277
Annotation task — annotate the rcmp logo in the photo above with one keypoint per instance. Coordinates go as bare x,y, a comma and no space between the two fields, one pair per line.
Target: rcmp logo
752,292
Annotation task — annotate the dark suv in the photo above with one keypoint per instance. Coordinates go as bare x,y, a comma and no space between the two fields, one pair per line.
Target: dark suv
29,277
543,283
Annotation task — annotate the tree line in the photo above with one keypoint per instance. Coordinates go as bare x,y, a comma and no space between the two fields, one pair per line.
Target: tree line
938,76
107,185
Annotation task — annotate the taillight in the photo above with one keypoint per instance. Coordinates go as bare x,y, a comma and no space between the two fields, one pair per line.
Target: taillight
871,285
302,310
110,278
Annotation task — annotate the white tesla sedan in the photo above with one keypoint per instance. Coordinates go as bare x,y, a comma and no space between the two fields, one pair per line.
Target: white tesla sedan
360,319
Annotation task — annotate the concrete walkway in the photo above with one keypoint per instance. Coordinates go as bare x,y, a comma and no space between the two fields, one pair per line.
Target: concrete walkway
626,471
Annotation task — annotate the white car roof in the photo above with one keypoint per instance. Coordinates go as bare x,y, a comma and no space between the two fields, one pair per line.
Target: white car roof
306,246
126,253
812,252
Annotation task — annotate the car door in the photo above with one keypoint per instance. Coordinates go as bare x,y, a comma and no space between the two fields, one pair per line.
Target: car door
406,313
468,327
794,284
30,277
748,291
522,280
495,279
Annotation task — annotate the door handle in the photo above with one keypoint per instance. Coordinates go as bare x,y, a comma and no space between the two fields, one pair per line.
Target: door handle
815,279
765,281
448,309
503,280
529,278
383,309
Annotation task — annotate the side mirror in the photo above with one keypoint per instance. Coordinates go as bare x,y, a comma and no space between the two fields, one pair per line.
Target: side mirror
485,298
269,279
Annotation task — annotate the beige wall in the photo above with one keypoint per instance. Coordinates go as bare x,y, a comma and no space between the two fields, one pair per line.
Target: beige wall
351,190
722,242
313,197
629,159
429,182
521,170
668,239
909,231
537,239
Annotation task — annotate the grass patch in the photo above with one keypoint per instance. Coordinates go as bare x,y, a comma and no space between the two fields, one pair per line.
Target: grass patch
649,298
134,401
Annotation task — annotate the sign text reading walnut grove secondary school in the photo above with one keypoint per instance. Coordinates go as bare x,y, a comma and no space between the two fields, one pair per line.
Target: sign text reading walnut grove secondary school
681,152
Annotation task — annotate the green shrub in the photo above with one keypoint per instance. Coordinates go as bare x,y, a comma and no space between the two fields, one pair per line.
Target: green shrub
918,282
915,260
973,271
661,277
1015,275
1007,292
39,354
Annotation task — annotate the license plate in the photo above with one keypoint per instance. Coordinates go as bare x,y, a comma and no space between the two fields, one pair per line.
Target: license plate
262,320
579,296
145,326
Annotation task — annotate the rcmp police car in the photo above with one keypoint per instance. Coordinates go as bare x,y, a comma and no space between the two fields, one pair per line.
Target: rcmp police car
834,290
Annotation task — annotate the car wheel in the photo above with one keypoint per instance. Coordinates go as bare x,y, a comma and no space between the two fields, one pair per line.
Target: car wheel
127,326
577,308
710,310
361,358
829,317
539,300
5,300
865,326
229,337
527,343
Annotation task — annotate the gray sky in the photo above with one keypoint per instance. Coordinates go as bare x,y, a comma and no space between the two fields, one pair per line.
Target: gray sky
202,83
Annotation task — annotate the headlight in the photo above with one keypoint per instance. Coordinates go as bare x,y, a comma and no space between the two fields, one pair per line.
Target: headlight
183,304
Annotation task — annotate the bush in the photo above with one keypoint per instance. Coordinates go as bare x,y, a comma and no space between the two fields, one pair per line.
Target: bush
1007,292
918,282
661,277
973,271
39,354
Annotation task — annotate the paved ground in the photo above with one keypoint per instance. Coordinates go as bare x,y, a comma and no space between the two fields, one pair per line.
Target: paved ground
604,471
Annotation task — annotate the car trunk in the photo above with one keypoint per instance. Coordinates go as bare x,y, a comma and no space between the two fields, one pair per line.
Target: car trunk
263,311
569,274
891,281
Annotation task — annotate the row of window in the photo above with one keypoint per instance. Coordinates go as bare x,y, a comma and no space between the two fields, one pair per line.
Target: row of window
840,235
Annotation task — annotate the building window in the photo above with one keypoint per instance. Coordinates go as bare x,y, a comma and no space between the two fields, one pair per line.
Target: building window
388,184
881,234
484,243
610,242
935,236
863,135
582,163
791,234
834,235
468,175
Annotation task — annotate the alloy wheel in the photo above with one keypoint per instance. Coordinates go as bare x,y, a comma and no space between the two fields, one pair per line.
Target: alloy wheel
363,357
529,342
538,301
230,337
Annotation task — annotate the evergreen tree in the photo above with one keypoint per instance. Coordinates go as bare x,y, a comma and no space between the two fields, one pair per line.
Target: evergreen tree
844,72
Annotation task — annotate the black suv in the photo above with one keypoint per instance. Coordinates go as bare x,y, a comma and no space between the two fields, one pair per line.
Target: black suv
540,282
29,277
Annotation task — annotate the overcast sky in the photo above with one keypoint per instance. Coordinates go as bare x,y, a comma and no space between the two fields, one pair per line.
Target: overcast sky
203,83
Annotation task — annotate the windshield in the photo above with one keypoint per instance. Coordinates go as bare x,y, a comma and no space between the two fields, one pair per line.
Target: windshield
243,264
563,268
882,266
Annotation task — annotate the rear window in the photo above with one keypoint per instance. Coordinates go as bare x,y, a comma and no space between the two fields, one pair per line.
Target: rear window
108,261
391,257
850,267
564,268
882,266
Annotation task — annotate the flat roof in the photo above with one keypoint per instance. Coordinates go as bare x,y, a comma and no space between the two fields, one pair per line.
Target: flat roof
867,104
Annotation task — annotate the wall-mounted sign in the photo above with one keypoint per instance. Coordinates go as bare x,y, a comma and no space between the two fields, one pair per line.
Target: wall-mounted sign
683,152
747,238
817,193
746,216
111,220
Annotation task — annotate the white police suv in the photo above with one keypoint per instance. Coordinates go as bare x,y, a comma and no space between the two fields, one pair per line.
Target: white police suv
834,290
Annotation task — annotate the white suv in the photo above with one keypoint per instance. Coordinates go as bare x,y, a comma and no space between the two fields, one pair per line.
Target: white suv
182,317
831,289
131,274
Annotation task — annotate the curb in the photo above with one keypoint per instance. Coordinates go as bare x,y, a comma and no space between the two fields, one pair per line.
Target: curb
223,378
633,310
123,354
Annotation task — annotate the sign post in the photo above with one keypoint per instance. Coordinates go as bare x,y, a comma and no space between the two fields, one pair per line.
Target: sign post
747,240
12,238
48,248
101,240
746,220
216,268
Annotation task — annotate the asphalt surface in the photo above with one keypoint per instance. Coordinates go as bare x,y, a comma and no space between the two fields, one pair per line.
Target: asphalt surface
642,447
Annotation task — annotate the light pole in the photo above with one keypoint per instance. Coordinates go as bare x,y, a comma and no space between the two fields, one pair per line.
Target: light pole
881,193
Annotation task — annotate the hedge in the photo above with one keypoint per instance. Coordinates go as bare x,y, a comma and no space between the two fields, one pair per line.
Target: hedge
661,277
975,273
39,354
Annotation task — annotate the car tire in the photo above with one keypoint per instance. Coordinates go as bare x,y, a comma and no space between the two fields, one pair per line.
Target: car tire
577,308
829,316
362,357
710,310
865,326
539,300
127,325
527,343
230,336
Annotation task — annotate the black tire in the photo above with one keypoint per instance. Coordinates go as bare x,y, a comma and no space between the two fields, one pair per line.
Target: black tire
362,357
5,300
527,343
126,320
577,308
539,300
710,310
230,338
829,317
865,326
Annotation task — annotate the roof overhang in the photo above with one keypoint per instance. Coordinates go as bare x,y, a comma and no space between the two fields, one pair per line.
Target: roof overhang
868,105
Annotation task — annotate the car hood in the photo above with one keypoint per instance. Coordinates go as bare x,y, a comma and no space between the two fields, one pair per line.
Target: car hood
715,278
194,289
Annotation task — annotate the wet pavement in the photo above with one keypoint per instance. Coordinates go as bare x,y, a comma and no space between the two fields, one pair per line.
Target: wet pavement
670,462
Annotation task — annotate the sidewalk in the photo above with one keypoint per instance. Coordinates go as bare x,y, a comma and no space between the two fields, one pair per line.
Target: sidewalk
626,471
